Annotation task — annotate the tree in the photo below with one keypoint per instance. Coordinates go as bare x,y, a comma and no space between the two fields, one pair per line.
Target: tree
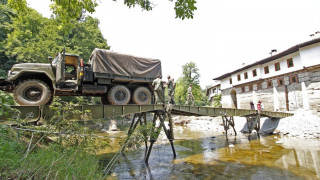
6,16
34,37
72,9
191,75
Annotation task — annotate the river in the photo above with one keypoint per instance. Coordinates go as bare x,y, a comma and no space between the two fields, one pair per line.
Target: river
203,155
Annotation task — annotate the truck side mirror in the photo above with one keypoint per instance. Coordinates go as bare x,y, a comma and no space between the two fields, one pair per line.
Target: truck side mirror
50,58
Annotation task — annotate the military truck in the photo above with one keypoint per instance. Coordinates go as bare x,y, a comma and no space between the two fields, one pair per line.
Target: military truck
117,78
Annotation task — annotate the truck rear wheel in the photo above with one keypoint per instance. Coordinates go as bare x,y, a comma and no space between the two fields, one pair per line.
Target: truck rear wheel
141,96
32,92
119,95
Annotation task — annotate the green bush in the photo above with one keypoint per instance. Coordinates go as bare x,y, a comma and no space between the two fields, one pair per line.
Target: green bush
52,162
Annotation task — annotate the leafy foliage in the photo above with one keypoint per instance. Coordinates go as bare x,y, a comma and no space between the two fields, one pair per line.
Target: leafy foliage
6,16
34,37
217,101
185,8
67,158
51,162
73,9
6,100
191,75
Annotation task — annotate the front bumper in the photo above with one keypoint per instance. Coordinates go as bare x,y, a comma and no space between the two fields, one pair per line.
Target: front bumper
6,85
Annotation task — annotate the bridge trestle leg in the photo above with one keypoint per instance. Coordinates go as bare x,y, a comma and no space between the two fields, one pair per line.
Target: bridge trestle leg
134,123
145,134
227,123
155,131
253,122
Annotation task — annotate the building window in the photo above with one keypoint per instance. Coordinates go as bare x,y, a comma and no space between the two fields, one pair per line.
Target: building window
277,66
259,86
280,82
245,75
290,63
242,89
254,73
250,87
230,80
239,77
293,79
269,84
266,70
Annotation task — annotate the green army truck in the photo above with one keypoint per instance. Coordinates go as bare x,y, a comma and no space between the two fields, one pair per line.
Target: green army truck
117,78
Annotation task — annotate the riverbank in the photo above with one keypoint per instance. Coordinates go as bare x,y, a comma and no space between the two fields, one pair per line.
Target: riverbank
302,124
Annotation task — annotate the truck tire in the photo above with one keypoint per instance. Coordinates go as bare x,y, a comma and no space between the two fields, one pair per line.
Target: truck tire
119,95
104,100
141,96
32,92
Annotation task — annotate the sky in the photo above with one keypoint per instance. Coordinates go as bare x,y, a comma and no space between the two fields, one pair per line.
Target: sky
222,36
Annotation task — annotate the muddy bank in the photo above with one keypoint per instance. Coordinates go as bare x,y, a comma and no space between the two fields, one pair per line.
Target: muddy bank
303,124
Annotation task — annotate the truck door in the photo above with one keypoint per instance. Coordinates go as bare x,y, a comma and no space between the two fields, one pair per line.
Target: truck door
60,68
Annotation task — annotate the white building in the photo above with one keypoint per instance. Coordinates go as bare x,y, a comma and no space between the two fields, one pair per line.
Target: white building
288,80
212,91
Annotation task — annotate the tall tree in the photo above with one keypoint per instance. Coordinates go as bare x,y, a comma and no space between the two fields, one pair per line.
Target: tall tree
34,37
6,16
191,75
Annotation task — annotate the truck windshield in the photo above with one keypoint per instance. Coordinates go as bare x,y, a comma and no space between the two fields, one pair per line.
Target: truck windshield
55,60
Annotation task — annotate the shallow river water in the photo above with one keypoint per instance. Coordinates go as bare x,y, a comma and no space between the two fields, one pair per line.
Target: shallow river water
203,155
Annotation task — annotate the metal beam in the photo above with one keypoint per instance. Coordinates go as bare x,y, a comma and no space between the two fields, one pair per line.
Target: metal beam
34,113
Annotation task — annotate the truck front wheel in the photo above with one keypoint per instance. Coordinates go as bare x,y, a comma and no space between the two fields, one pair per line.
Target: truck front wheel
119,95
32,92
141,96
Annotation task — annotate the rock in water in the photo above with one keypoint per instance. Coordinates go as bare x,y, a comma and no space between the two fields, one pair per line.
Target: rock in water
113,126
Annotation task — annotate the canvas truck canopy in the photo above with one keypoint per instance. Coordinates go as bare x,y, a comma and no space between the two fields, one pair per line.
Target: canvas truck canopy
106,61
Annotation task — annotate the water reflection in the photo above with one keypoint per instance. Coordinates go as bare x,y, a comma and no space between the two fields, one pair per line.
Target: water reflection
199,156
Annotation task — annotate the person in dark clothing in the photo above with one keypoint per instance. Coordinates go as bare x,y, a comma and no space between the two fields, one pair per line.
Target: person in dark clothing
251,105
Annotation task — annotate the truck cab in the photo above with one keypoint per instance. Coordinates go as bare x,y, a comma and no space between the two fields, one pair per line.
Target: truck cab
68,72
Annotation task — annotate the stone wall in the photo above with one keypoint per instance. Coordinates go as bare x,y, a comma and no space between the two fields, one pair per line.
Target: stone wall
302,95
313,90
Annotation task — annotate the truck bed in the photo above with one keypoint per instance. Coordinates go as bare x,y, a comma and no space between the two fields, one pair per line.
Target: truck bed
108,78
123,66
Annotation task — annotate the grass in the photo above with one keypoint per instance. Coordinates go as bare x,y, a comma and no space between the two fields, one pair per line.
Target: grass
52,161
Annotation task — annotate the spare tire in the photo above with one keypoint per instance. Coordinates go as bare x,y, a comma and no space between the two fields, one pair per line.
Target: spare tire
32,92
141,96
119,95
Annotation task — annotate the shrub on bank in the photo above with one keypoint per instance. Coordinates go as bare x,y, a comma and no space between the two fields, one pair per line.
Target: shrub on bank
51,162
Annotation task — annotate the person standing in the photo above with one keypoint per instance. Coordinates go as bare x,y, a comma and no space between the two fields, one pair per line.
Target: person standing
190,96
158,89
171,88
259,106
251,105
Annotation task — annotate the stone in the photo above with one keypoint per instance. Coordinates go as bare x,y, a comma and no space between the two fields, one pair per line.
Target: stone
315,79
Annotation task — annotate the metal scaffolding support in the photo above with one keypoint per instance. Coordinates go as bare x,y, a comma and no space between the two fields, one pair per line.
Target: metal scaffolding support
159,115
253,122
227,122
